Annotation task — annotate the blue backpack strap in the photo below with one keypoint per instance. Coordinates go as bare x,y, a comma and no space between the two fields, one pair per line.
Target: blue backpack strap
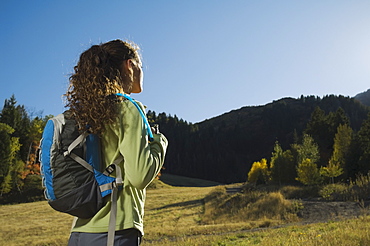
147,126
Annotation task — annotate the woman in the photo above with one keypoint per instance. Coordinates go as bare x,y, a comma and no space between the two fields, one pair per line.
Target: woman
101,72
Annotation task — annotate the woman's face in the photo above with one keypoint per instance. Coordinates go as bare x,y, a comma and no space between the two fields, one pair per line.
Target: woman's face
137,83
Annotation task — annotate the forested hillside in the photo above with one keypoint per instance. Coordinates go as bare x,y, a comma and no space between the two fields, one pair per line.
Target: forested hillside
223,148
283,135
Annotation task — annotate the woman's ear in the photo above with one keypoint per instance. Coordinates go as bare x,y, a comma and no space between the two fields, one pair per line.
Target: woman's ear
127,68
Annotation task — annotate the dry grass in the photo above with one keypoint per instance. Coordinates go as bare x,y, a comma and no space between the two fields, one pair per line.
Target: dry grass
349,232
33,224
253,206
178,216
174,211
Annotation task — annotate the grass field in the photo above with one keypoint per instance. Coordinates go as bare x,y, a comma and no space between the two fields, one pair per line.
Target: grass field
175,216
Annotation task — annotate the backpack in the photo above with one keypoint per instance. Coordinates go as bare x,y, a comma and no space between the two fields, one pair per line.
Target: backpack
72,176
69,167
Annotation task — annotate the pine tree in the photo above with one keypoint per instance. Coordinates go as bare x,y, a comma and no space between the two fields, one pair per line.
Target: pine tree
363,142
17,117
5,152
341,148
276,164
282,166
323,129
317,125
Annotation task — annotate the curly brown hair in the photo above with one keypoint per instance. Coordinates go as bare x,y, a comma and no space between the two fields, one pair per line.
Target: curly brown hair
97,76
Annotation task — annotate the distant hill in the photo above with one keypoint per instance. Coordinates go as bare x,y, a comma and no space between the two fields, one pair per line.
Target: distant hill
223,148
364,97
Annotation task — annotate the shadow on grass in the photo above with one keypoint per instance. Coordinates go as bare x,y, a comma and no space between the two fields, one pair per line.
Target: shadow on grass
186,204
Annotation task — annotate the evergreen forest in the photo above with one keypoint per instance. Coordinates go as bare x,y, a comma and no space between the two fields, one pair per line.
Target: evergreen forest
224,148
306,140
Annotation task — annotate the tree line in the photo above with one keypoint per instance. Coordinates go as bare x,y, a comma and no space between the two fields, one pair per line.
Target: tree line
331,133
20,133
329,150
285,141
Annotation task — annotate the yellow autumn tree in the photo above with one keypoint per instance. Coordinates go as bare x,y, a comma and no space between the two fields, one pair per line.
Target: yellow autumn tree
259,172
332,170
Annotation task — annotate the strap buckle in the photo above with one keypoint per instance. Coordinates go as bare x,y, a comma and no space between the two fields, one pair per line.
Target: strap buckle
110,169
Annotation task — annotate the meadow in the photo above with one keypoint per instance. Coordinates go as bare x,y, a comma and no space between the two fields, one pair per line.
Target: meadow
188,216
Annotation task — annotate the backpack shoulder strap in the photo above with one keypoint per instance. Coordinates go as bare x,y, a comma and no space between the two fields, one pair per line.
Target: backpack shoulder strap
75,157
114,197
81,161
80,139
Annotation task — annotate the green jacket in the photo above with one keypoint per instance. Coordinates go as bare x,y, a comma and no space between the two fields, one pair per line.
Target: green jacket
142,162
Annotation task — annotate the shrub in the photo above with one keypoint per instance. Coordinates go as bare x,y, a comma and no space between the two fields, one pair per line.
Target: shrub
33,190
361,187
299,192
355,191
335,192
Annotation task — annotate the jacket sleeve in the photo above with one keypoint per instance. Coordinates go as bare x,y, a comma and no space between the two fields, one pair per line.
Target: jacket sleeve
142,160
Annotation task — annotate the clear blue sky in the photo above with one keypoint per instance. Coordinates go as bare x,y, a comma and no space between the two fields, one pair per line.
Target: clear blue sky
202,58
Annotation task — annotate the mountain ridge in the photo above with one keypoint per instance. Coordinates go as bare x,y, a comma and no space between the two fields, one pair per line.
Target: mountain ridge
362,97
223,148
